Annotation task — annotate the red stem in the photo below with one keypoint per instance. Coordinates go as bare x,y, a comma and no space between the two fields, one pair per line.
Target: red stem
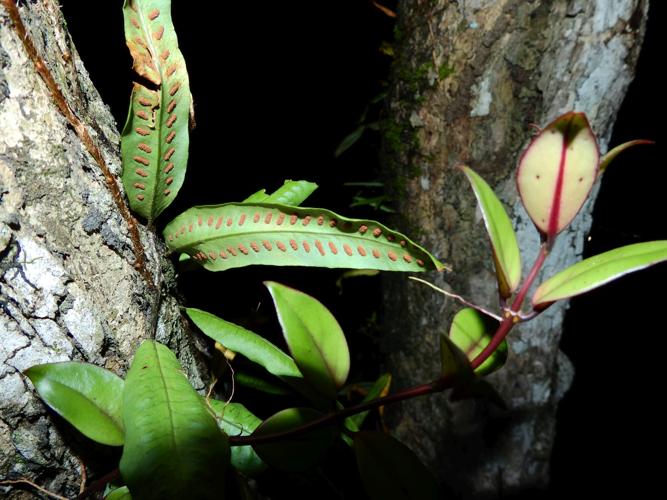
418,390
511,318
99,484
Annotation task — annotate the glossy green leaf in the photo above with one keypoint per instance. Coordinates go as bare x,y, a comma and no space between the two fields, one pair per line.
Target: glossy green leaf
472,331
235,420
598,270
122,493
222,237
379,388
173,447
454,364
505,248
242,341
296,453
612,154
557,171
290,193
87,396
314,338
390,470
155,139
257,197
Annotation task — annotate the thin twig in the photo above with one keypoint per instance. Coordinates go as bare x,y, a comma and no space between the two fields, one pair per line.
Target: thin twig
459,298
331,418
36,486
99,484
82,132
84,476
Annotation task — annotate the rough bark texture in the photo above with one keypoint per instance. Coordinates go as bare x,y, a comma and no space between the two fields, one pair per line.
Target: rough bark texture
68,288
469,80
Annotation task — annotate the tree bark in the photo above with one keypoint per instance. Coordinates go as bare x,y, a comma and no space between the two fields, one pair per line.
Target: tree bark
69,287
469,80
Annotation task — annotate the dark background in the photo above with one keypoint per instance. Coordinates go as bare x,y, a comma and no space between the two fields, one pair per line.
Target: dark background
276,88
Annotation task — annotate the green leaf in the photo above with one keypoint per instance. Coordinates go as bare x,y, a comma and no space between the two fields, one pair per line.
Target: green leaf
296,453
598,270
155,139
378,389
235,420
242,341
87,396
257,197
611,155
472,331
454,363
557,171
259,384
122,493
314,338
290,193
390,470
505,248
222,237
350,140
173,447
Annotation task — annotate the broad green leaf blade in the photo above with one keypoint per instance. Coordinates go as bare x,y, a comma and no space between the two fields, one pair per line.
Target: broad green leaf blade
297,453
235,420
454,364
505,248
557,171
598,270
390,470
472,331
155,139
122,493
242,341
379,389
314,338
173,447
611,155
87,396
290,193
222,237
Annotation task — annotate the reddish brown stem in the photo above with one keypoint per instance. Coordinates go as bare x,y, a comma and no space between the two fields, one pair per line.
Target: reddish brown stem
419,390
511,316
99,484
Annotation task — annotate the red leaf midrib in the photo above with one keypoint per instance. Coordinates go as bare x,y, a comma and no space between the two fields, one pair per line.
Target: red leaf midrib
554,215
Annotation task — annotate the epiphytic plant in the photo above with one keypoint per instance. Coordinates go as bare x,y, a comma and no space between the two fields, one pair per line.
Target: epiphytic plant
177,443
155,138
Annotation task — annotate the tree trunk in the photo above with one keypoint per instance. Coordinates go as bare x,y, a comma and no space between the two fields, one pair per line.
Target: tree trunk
69,286
469,80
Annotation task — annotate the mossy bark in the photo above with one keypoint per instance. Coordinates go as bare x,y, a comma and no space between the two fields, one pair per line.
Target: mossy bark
469,81
68,286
